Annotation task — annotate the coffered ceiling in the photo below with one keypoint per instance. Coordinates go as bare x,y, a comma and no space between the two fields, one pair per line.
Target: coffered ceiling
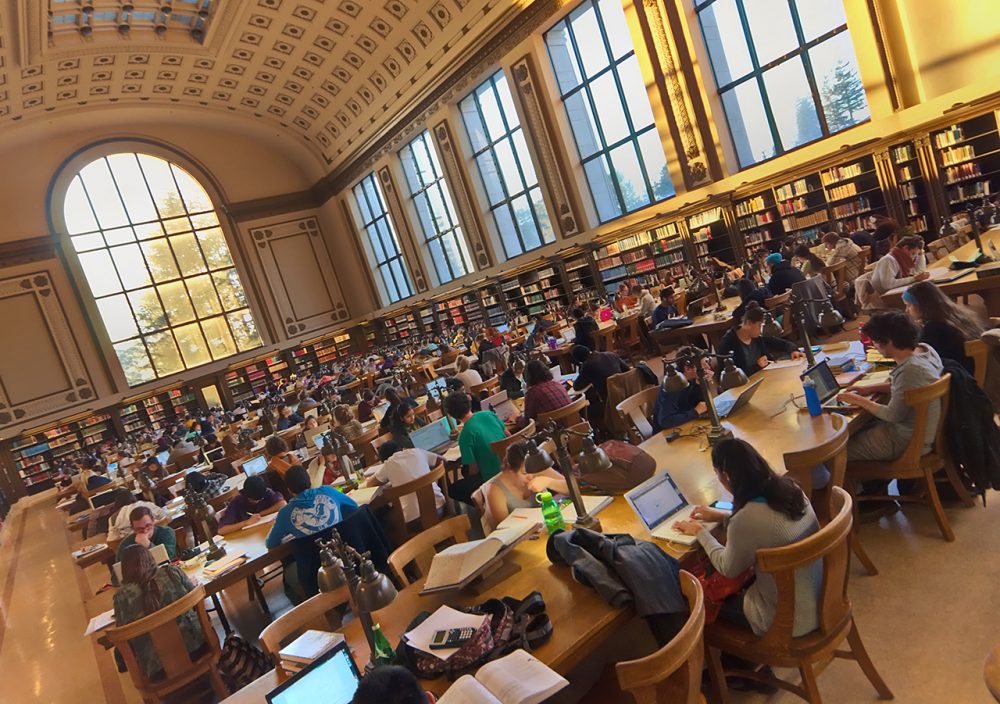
334,72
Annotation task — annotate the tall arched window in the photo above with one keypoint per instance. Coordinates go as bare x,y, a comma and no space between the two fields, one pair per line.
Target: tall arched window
150,246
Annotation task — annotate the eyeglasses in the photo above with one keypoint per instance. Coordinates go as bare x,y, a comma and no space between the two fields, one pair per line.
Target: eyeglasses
144,527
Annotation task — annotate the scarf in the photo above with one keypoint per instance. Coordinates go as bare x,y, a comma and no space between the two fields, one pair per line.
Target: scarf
905,261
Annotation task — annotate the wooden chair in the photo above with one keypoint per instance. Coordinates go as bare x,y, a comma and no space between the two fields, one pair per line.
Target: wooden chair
680,300
423,488
912,464
672,673
420,549
627,335
379,442
604,339
179,667
319,611
187,460
636,410
778,647
499,447
567,415
489,385
780,305
979,351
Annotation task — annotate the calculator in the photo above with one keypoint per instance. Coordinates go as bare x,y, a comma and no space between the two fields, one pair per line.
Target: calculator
451,638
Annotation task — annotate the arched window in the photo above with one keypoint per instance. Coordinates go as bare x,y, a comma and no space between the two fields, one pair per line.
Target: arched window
150,246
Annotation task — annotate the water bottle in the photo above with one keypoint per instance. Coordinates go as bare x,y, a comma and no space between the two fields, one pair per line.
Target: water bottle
812,397
384,654
551,513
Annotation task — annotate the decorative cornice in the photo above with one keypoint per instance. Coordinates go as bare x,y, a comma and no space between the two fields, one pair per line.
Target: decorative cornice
28,251
274,205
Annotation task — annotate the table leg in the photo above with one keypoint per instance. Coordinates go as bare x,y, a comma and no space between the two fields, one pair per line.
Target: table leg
991,298
222,614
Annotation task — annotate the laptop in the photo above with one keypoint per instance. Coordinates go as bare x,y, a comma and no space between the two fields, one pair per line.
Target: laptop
695,308
433,437
503,328
726,405
500,404
254,465
556,372
331,678
826,386
216,454
162,457
318,430
568,335
437,387
159,553
319,439
659,504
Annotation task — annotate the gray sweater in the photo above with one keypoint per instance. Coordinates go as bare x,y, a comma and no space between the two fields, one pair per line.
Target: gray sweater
921,369
757,526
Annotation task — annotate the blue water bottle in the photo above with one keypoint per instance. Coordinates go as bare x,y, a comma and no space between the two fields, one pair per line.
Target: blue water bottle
812,397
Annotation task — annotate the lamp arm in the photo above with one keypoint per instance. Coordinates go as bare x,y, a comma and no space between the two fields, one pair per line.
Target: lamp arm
707,393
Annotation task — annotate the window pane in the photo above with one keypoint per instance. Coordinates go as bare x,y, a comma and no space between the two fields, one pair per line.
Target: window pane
76,209
82,243
410,169
526,222
636,96
196,200
583,123
474,127
589,41
131,266
163,350
202,292
148,231
616,27
176,302
424,216
100,272
383,247
491,111
135,362
161,183
748,123
220,340
230,290
508,167
524,157
244,330
561,54
727,46
819,17
215,249
771,27
117,317
656,164
609,108
508,233
103,194
147,309
792,103
188,255
119,235
192,344
160,260
132,186
839,82
204,221
630,177
601,187
176,225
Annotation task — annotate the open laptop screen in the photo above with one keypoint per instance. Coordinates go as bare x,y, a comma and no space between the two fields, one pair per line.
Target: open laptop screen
658,501
255,465
826,384
431,436
331,679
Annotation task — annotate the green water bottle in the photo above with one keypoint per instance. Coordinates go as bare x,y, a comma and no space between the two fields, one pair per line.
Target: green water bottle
551,513
384,654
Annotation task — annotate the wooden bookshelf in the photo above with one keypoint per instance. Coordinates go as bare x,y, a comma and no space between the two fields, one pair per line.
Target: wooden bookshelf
758,220
532,292
968,160
491,301
581,276
36,454
428,319
802,206
709,236
912,188
853,194
640,255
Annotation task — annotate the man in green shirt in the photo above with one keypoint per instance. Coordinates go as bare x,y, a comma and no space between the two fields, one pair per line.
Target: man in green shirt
479,431
145,532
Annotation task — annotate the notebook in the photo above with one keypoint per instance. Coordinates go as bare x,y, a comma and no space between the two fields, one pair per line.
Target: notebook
726,405
331,679
659,504
310,646
254,465
517,678
159,554
433,437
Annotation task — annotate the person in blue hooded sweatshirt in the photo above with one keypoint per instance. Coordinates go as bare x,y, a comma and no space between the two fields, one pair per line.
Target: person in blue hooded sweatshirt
309,511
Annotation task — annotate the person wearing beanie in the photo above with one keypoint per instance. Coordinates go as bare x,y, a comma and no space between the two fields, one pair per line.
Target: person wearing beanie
783,274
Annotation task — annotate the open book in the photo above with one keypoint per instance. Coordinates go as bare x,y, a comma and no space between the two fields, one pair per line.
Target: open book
455,564
520,516
517,678
309,646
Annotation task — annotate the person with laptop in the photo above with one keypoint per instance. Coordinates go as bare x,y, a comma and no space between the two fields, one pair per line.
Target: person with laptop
904,264
584,327
366,407
673,408
944,325
395,397
544,393
769,511
751,350
478,431
404,422
594,368
667,308
146,533
401,465
256,499
145,589
512,379
310,510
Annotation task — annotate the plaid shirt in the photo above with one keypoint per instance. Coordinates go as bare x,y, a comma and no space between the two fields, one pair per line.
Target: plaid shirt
547,396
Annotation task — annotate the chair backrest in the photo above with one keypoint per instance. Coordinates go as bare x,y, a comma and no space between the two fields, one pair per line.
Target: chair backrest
636,410
567,415
488,385
778,302
378,442
219,502
499,447
420,549
188,459
832,454
363,442
836,273
423,487
920,400
628,331
165,634
317,611
680,300
829,544
979,351
672,673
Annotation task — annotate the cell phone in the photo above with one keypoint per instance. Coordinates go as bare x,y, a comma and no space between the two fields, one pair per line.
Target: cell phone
722,505
451,638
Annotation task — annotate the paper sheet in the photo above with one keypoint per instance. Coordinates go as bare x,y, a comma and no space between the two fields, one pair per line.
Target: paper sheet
454,454
784,364
363,495
269,518
441,620
100,622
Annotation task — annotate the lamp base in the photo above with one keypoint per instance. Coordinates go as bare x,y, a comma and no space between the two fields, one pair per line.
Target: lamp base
718,434
589,522
215,551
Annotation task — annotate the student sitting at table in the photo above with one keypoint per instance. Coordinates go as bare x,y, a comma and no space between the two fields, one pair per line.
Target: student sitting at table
120,525
182,446
401,465
514,488
667,308
544,393
782,274
752,351
391,684
286,418
478,432
403,423
146,588
844,249
809,263
255,499
769,511
93,476
675,407
465,373
350,427
145,532
309,511
366,406
278,462
903,265
897,337
511,380
584,327
535,340
624,301
395,397
594,370
747,292
646,301
944,325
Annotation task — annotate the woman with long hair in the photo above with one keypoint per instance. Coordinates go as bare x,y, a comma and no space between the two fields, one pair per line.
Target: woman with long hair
514,488
944,325
751,350
145,589
809,263
769,511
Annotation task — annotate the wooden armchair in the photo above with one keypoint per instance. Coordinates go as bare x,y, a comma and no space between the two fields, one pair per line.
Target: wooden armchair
419,550
778,647
499,447
319,611
423,488
780,305
489,385
636,410
180,668
567,415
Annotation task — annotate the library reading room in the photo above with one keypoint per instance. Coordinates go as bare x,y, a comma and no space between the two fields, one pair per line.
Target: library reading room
499,351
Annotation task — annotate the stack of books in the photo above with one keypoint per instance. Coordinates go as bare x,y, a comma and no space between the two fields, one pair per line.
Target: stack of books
306,648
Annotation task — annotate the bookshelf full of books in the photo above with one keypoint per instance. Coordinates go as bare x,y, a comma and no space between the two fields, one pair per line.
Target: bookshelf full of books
534,292
912,187
492,305
758,220
968,159
427,320
710,238
640,255
802,206
36,455
853,193
581,278
401,326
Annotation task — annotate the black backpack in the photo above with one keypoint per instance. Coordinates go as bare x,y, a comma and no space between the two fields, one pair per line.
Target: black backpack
971,432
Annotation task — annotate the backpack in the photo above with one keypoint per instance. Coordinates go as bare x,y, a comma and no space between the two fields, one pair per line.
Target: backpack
630,467
241,662
972,435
